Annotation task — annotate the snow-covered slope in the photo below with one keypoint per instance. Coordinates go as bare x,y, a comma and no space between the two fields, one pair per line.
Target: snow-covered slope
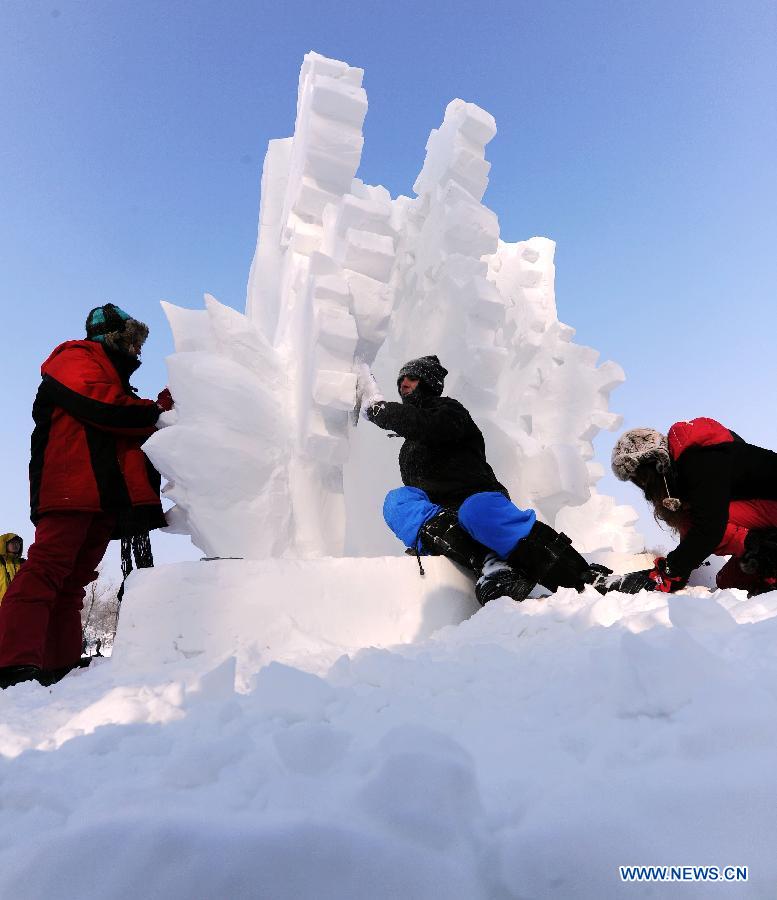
525,752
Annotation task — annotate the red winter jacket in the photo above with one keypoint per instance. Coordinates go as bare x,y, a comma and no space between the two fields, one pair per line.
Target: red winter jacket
89,427
728,486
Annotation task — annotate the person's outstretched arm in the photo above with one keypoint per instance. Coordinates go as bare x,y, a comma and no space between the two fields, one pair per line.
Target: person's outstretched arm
440,424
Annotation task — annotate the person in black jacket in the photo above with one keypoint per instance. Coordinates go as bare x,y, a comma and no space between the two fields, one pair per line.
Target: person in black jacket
452,503
725,491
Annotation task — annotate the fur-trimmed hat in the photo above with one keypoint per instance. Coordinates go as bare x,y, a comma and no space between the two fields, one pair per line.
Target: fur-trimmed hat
637,447
110,325
428,370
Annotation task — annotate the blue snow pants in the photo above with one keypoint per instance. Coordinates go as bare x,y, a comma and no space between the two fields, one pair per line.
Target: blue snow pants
489,517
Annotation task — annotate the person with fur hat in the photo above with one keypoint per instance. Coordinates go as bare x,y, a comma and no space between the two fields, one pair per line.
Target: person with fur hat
89,482
718,492
11,559
452,502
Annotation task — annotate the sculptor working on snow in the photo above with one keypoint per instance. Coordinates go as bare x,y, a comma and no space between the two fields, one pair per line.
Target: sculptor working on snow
452,503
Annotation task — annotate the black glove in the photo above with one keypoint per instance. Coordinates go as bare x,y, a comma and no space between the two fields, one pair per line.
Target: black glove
760,556
659,578
598,577
631,583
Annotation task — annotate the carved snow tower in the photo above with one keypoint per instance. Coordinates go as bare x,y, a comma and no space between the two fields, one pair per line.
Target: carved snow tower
260,454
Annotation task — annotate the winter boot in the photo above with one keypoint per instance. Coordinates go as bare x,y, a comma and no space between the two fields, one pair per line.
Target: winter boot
10,675
760,556
443,535
549,557
51,676
499,579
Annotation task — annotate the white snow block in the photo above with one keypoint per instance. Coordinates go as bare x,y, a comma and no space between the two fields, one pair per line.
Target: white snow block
470,228
470,171
557,472
237,338
337,330
461,271
476,123
312,199
486,302
315,64
610,375
484,365
606,421
371,306
467,128
325,437
365,215
334,167
332,288
266,611
335,389
369,254
304,238
335,99
191,328
203,383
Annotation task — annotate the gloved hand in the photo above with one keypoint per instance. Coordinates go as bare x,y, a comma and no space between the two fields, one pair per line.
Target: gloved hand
598,576
367,390
631,583
165,400
655,579
664,579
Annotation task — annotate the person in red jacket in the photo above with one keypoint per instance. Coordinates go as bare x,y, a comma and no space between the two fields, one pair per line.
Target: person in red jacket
713,488
89,481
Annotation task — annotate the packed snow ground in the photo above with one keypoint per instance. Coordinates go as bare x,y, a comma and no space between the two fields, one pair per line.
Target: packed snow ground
239,744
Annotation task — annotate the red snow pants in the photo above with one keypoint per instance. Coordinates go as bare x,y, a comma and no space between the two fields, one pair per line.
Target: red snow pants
40,616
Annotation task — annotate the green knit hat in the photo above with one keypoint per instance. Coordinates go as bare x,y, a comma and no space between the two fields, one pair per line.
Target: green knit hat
110,325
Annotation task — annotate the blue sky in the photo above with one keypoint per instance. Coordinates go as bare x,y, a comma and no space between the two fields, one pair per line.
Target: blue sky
639,136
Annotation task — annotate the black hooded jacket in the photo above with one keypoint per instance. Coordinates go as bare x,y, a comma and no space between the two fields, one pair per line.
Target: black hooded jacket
444,453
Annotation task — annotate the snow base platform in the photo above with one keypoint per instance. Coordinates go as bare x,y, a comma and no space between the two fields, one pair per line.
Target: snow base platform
302,612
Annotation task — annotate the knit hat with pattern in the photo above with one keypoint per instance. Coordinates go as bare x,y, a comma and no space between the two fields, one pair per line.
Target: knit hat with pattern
110,325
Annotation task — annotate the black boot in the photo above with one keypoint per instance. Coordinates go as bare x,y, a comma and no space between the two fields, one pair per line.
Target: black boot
51,676
443,535
549,557
10,675
500,579
760,556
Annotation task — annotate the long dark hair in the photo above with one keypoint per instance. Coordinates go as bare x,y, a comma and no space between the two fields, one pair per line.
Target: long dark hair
654,487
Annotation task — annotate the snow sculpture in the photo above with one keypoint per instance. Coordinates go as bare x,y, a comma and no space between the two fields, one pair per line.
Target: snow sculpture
342,273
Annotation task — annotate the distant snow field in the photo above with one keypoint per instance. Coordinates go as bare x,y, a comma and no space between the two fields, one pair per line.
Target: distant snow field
519,751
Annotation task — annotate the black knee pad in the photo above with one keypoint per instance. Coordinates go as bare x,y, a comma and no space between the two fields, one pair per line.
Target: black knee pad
442,535
548,557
